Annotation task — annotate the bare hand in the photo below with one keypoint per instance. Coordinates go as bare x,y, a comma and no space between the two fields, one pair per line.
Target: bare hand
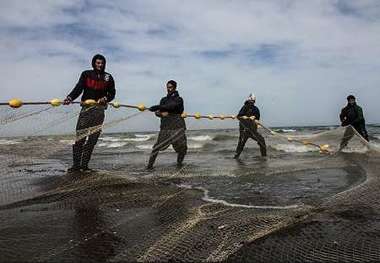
67,101
102,101
164,114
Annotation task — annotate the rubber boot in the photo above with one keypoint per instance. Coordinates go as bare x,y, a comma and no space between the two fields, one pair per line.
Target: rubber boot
152,160
180,158
263,151
86,157
77,156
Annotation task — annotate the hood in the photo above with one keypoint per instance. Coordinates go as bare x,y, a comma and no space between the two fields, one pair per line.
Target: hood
98,56
249,103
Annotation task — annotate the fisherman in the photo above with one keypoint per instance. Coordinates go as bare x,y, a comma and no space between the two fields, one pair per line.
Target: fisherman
352,116
248,127
173,126
98,85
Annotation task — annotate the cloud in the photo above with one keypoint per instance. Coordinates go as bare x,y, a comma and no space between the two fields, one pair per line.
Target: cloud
301,58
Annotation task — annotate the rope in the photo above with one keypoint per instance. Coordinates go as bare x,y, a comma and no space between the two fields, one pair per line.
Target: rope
17,103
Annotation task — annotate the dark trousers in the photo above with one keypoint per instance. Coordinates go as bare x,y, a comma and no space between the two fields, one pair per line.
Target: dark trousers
88,130
245,134
176,138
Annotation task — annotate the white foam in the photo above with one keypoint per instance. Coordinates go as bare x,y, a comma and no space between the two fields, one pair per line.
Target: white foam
145,147
291,148
207,198
288,130
113,144
140,139
69,142
150,146
8,142
110,139
194,146
144,135
201,138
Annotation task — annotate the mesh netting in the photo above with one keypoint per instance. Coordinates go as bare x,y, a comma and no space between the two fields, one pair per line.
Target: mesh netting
315,198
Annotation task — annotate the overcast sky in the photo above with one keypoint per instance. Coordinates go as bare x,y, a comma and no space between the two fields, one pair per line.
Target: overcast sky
301,58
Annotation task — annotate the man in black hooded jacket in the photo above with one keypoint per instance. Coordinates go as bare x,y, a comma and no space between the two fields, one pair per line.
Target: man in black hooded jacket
352,115
98,85
248,127
173,126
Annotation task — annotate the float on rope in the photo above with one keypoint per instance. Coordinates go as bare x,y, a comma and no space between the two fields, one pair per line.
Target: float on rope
17,103
89,103
116,105
141,107
55,102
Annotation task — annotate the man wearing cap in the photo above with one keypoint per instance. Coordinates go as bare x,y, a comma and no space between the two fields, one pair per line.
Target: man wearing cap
352,115
97,85
173,126
248,127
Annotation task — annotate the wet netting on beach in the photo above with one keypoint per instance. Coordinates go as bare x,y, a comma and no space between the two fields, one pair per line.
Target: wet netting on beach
315,198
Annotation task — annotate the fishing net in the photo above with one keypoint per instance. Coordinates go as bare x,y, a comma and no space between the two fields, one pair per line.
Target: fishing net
315,198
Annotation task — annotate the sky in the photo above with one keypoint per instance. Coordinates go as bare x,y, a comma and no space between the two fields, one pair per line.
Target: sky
300,58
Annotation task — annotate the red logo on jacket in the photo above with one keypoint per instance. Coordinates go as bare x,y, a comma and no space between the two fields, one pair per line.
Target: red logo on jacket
96,84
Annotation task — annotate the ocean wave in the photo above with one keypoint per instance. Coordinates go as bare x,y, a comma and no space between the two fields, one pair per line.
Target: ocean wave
195,146
374,146
201,138
291,148
150,146
112,144
8,142
144,135
286,130
138,138
224,137
110,139
69,142
145,147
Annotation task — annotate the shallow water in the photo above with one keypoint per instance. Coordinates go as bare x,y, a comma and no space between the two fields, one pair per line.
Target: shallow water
122,212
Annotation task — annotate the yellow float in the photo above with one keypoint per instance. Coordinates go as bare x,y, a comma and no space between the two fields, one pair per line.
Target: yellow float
15,103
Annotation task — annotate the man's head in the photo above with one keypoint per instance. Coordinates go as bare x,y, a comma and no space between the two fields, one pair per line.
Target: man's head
171,86
351,99
99,63
251,97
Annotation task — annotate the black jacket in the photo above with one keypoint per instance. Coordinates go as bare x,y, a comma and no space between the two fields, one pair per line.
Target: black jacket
94,84
352,115
249,109
173,104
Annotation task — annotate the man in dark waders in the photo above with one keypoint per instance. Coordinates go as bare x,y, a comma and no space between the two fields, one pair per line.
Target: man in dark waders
352,115
173,127
248,127
98,85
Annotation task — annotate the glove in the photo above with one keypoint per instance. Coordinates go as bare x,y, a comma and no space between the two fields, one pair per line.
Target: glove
67,101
